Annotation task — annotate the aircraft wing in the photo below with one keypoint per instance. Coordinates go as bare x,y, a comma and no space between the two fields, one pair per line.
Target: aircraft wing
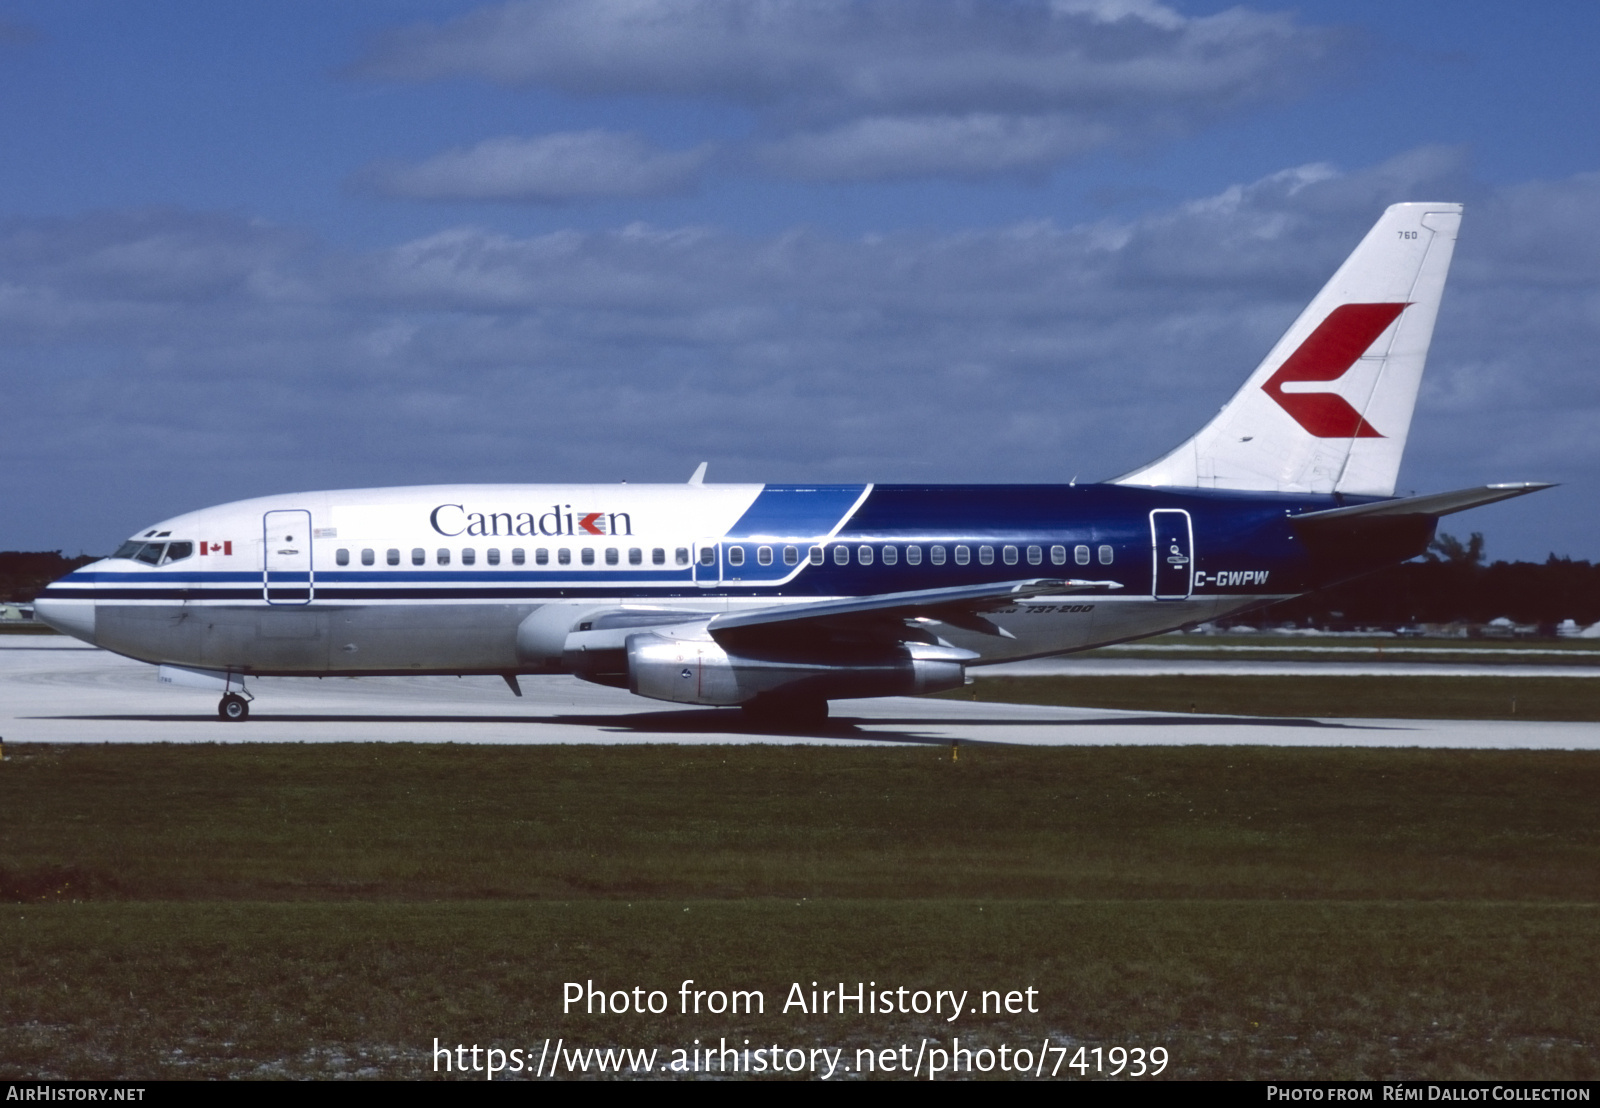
837,626
961,606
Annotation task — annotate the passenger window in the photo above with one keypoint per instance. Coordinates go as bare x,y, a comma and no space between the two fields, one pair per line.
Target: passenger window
1106,554
341,557
442,557
986,555
708,555
419,556
890,556
913,555
815,556
178,551
841,555
1035,555
682,555
963,555
611,555
541,556
658,556
735,555
864,555
936,555
1058,555
492,555
635,556
392,556
586,555
764,555
1080,554
791,555
1008,554
564,556
368,557
519,557
469,556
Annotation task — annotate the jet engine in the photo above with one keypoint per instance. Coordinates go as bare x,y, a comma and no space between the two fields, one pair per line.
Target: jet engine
684,664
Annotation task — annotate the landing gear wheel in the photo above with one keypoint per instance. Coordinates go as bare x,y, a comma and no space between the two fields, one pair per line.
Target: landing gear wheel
233,707
787,713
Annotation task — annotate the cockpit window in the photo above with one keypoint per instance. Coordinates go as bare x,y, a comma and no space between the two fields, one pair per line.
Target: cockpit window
155,553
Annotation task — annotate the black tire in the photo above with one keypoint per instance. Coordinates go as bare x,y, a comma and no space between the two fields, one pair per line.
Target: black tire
233,708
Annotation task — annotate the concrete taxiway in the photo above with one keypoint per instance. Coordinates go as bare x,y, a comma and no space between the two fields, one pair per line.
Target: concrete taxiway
58,690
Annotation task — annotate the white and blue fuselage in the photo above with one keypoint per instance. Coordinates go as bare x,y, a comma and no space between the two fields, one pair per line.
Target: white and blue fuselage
439,579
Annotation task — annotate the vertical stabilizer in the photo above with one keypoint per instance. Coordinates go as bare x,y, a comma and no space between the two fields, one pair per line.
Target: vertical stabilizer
1329,408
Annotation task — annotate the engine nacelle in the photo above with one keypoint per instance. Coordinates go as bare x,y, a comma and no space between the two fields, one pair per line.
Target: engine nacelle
692,668
588,640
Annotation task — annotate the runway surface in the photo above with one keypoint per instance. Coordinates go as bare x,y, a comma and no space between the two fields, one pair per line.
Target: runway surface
58,690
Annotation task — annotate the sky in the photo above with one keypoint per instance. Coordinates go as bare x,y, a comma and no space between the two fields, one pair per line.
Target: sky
249,249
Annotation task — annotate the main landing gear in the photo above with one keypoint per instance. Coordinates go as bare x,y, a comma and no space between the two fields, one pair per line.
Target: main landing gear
233,707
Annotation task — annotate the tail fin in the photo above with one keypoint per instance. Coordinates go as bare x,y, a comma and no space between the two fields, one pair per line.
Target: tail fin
1330,407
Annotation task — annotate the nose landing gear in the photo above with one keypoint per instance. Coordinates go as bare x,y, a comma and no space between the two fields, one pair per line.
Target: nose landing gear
233,707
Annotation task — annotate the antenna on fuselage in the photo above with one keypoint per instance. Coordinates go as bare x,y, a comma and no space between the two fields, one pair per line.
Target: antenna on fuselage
699,477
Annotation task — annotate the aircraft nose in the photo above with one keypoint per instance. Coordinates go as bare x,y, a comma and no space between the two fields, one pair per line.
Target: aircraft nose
71,616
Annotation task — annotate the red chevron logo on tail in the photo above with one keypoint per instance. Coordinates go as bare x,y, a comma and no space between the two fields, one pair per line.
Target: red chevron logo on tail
1327,355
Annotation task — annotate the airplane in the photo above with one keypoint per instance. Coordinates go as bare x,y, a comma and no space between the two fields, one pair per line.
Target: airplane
781,597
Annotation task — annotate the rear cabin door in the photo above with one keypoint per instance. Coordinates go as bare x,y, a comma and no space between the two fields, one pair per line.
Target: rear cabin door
286,557
1172,547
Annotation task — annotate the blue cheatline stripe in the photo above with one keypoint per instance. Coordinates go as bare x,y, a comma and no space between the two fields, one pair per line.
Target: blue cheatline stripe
159,575
157,579
796,511
527,592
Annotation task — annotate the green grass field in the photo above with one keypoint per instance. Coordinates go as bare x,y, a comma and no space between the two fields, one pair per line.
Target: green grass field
277,910
1268,647
1477,697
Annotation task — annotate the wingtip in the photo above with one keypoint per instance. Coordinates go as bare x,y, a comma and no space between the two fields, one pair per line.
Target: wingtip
1524,486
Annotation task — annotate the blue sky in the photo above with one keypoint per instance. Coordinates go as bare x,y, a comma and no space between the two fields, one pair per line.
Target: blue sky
250,249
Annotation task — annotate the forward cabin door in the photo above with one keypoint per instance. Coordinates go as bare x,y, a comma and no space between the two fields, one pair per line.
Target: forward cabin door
708,563
1172,548
286,557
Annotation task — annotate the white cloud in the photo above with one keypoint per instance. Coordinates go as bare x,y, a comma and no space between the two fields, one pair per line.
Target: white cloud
548,169
974,145
858,89
1030,352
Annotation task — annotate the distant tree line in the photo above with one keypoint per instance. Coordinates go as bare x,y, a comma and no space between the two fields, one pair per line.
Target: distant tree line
1451,584
23,574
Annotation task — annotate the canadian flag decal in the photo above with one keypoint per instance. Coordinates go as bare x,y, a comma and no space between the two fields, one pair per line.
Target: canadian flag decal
225,547
1327,355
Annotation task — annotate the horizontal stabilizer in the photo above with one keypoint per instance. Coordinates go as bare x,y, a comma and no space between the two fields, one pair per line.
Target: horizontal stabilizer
1434,504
